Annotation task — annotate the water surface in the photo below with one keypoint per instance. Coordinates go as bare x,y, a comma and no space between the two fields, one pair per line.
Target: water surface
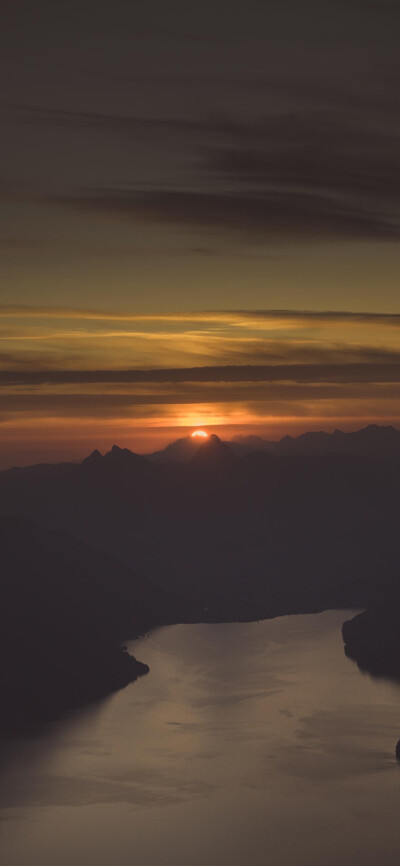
246,744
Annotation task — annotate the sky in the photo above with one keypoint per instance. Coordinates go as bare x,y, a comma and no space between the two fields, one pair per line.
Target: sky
199,221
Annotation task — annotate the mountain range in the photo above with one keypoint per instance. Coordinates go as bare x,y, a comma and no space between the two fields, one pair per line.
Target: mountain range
64,610
371,441
96,552
234,531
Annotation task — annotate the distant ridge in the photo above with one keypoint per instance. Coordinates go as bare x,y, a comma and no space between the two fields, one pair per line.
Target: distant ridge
238,534
373,441
228,533
114,457
213,451
177,452
370,441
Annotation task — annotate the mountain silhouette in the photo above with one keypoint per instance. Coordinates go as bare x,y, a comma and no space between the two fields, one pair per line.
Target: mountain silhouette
64,609
260,532
213,452
219,536
115,457
371,441
179,451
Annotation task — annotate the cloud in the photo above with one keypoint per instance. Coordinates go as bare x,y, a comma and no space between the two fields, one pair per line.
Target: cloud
325,168
321,157
120,123
242,359
267,215
305,373
246,401
282,317
339,163
98,348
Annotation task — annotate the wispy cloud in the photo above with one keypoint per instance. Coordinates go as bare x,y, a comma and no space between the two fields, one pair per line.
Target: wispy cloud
231,367
288,212
305,373
239,316
327,169
158,345
321,171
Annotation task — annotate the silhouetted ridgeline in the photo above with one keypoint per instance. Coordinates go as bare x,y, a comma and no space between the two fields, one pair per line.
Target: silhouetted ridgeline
257,532
371,441
64,609
239,536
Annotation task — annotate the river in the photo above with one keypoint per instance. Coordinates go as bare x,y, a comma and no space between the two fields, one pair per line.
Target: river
246,745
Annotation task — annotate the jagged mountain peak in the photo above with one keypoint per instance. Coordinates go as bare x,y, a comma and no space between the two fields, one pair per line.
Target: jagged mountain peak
213,450
116,456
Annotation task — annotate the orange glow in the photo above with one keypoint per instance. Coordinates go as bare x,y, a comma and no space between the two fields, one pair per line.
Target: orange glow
199,434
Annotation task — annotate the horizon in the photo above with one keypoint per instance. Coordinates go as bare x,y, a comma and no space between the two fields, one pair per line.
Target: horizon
262,372
231,435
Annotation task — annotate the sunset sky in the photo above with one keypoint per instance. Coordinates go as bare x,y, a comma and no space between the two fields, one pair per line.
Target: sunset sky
200,221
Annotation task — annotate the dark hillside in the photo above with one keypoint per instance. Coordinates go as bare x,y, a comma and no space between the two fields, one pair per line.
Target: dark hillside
259,530
63,611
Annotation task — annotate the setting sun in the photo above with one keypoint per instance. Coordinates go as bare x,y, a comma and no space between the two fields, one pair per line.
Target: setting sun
200,433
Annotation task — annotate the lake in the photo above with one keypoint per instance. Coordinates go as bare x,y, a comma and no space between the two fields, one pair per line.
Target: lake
246,744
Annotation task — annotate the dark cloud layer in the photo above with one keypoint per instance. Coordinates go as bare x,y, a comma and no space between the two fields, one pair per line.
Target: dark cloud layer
264,394
311,173
325,165
302,316
306,373
118,123
284,213
319,151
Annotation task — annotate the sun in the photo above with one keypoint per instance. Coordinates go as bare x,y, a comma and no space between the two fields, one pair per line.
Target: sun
199,434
